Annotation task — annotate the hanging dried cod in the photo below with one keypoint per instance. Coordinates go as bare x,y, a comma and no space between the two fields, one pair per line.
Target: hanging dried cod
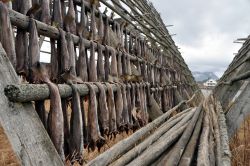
6,34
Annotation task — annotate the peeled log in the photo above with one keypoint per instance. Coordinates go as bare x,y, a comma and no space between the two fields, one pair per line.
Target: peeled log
175,156
123,146
203,153
165,141
216,135
188,155
133,153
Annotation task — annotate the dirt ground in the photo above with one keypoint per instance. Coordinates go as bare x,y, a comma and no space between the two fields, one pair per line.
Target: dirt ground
239,145
7,156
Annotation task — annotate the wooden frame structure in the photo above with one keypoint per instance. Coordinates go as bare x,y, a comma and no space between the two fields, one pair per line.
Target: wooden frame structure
145,51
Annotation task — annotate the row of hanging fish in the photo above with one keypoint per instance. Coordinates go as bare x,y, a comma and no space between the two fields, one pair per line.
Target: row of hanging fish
108,112
97,30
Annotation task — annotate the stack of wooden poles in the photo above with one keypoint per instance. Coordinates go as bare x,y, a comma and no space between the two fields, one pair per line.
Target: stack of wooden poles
194,136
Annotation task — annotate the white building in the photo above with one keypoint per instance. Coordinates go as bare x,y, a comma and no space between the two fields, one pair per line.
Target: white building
210,83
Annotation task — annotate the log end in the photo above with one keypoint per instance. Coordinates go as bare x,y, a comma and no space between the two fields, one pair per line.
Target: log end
12,92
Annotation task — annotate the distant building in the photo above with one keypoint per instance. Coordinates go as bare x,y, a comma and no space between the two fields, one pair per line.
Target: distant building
210,83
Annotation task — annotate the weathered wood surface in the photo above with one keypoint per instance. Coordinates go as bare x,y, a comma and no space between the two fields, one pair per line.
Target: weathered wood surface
232,94
22,21
161,145
188,154
36,92
226,153
238,111
183,141
123,146
164,142
154,110
203,151
133,153
226,90
22,125
127,30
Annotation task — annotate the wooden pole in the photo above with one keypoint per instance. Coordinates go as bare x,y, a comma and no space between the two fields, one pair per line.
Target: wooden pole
133,153
36,92
188,155
226,154
175,156
165,141
123,146
218,152
22,21
203,152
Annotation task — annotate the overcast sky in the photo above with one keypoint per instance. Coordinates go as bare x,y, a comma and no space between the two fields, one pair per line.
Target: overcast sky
206,30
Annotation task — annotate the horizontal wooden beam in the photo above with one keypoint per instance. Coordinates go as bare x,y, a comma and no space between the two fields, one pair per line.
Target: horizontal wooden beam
35,92
88,6
22,21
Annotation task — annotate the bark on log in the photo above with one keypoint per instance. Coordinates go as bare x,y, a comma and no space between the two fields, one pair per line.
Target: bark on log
188,155
123,146
36,92
181,144
133,153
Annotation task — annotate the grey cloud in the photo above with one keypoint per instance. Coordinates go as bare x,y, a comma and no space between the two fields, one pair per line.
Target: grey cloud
195,21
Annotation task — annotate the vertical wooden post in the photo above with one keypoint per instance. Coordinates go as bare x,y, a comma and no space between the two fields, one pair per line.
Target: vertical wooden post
22,125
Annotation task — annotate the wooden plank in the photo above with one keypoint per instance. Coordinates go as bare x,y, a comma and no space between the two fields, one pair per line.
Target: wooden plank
22,125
